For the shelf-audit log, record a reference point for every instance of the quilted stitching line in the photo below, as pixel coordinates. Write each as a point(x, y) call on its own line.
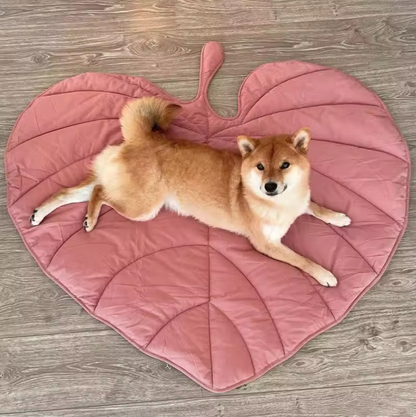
point(313, 106)
point(349, 189)
point(238, 331)
point(170, 320)
point(156, 90)
point(295, 109)
point(360, 147)
point(282, 83)
point(66, 240)
point(61, 128)
point(56, 172)
point(258, 295)
point(138, 85)
point(138, 259)
point(319, 294)
point(89, 91)
point(351, 246)
point(199, 131)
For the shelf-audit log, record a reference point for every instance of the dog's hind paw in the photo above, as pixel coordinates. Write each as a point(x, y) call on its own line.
point(88, 224)
point(35, 218)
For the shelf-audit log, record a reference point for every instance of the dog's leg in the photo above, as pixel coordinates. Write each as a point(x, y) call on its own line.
point(328, 216)
point(77, 194)
point(132, 210)
point(282, 253)
point(94, 207)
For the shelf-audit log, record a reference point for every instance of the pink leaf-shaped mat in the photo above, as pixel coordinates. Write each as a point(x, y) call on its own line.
point(203, 299)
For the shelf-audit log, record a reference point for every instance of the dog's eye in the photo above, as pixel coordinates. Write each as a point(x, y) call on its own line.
point(285, 165)
point(260, 167)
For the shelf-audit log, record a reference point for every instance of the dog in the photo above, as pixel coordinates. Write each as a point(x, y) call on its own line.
point(257, 193)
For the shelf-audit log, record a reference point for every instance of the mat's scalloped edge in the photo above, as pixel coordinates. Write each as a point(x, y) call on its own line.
point(304, 341)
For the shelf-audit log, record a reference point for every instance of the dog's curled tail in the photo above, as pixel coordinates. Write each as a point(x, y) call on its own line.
point(140, 118)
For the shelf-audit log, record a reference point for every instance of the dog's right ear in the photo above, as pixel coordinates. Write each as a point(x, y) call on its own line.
point(301, 140)
point(246, 144)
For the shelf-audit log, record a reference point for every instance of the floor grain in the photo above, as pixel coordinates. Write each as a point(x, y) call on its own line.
point(364, 400)
point(55, 360)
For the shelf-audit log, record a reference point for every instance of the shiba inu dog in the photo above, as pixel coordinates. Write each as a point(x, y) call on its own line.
point(257, 193)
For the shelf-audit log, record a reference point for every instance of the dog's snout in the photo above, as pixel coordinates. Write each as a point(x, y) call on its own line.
point(270, 187)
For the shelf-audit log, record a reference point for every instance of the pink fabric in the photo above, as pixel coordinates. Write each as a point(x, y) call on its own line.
point(203, 299)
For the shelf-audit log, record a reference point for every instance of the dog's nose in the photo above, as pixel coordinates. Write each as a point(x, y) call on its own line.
point(270, 187)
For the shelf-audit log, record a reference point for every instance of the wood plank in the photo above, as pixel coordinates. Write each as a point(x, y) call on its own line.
point(157, 15)
point(359, 401)
point(83, 369)
point(374, 348)
point(110, 51)
point(366, 348)
point(32, 304)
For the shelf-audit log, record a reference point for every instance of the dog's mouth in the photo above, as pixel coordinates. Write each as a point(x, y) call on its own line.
point(277, 192)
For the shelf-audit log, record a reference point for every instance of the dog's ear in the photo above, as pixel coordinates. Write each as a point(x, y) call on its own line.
point(246, 144)
point(301, 140)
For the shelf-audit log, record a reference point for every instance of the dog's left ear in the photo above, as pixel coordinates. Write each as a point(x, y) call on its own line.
point(246, 144)
point(301, 140)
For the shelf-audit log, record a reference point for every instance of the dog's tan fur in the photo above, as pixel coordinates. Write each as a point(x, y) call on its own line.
point(220, 188)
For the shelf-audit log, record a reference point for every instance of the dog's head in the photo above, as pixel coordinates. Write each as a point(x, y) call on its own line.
point(274, 164)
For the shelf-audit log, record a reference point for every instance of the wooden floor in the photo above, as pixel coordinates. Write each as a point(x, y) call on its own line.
point(55, 360)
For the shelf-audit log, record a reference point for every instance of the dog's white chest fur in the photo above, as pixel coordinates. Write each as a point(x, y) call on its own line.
point(278, 222)
point(273, 233)
point(278, 227)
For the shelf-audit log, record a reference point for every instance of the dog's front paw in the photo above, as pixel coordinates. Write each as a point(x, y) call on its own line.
point(340, 220)
point(325, 278)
